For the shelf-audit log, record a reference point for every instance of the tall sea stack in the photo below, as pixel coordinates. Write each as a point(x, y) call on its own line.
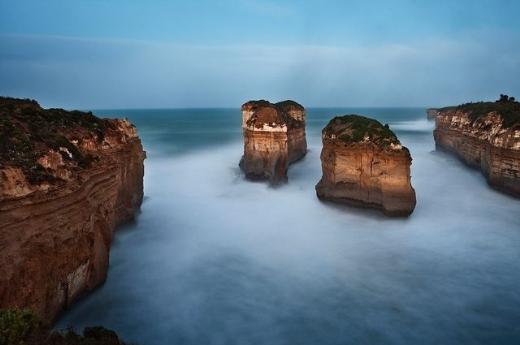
point(484, 135)
point(67, 179)
point(364, 164)
point(274, 137)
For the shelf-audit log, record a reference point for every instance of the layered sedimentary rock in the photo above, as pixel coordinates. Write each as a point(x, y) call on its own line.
point(431, 113)
point(67, 179)
point(274, 137)
point(485, 135)
point(364, 164)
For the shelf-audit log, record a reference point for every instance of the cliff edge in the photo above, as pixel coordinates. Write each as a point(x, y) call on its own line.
point(485, 135)
point(67, 179)
point(364, 164)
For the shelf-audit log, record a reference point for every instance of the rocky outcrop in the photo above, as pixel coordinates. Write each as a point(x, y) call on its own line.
point(365, 165)
point(67, 179)
point(485, 135)
point(431, 113)
point(274, 137)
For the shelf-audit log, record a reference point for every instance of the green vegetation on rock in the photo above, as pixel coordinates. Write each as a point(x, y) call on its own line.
point(28, 131)
point(21, 327)
point(507, 107)
point(354, 128)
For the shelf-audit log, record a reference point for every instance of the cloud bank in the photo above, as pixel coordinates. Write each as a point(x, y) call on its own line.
point(104, 73)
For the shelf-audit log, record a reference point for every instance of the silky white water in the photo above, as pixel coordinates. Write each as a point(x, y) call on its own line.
point(215, 259)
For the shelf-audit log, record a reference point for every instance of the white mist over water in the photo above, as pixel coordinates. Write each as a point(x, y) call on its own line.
point(215, 259)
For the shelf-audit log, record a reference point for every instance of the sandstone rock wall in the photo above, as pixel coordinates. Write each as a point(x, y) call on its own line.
point(55, 235)
point(371, 172)
point(484, 144)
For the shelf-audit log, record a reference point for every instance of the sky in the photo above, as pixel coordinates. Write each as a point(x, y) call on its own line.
point(93, 54)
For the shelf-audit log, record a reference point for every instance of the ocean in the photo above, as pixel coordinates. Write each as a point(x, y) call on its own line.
point(215, 259)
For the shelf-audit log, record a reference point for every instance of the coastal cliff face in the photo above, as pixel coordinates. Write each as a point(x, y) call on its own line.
point(274, 137)
point(485, 136)
point(67, 179)
point(365, 165)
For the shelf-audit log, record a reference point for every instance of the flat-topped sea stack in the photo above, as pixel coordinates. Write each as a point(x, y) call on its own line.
point(485, 135)
point(364, 164)
point(274, 137)
point(67, 179)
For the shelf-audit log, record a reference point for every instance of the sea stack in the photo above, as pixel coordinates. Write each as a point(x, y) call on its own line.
point(67, 179)
point(274, 137)
point(484, 135)
point(431, 113)
point(365, 165)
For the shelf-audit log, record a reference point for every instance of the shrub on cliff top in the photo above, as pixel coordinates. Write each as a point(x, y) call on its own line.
point(354, 128)
point(21, 327)
point(27, 132)
point(507, 107)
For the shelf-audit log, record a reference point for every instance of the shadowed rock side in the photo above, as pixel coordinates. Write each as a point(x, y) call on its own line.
point(484, 135)
point(67, 179)
point(274, 137)
point(365, 165)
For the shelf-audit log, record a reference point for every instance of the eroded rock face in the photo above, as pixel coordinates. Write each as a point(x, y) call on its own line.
point(485, 136)
point(274, 137)
point(67, 179)
point(365, 165)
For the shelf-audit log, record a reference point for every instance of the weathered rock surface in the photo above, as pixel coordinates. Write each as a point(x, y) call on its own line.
point(365, 165)
point(431, 113)
point(67, 179)
point(274, 137)
point(484, 135)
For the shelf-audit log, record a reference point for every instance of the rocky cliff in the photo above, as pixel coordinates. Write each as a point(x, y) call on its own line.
point(485, 135)
point(67, 179)
point(431, 113)
point(274, 137)
point(365, 165)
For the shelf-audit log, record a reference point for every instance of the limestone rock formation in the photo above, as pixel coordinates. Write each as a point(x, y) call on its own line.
point(67, 179)
point(274, 137)
point(365, 165)
point(431, 113)
point(485, 135)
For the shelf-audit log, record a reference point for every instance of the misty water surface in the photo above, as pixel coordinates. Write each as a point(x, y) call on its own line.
point(214, 259)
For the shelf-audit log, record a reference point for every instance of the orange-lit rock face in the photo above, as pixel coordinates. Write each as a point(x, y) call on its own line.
point(274, 137)
point(55, 235)
point(485, 144)
point(363, 173)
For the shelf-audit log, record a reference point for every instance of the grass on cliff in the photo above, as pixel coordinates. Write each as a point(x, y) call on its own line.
point(507, 107)
point(21, 327)
point(354, 128)
point(27, 131)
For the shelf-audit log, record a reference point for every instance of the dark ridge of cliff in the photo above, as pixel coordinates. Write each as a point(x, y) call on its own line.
point(355, 128)
point(20, 327)
point(269, 113)
point(27, 132)
point(507, 107)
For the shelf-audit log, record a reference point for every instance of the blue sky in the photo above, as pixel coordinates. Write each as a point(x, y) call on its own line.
point(117, 54)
